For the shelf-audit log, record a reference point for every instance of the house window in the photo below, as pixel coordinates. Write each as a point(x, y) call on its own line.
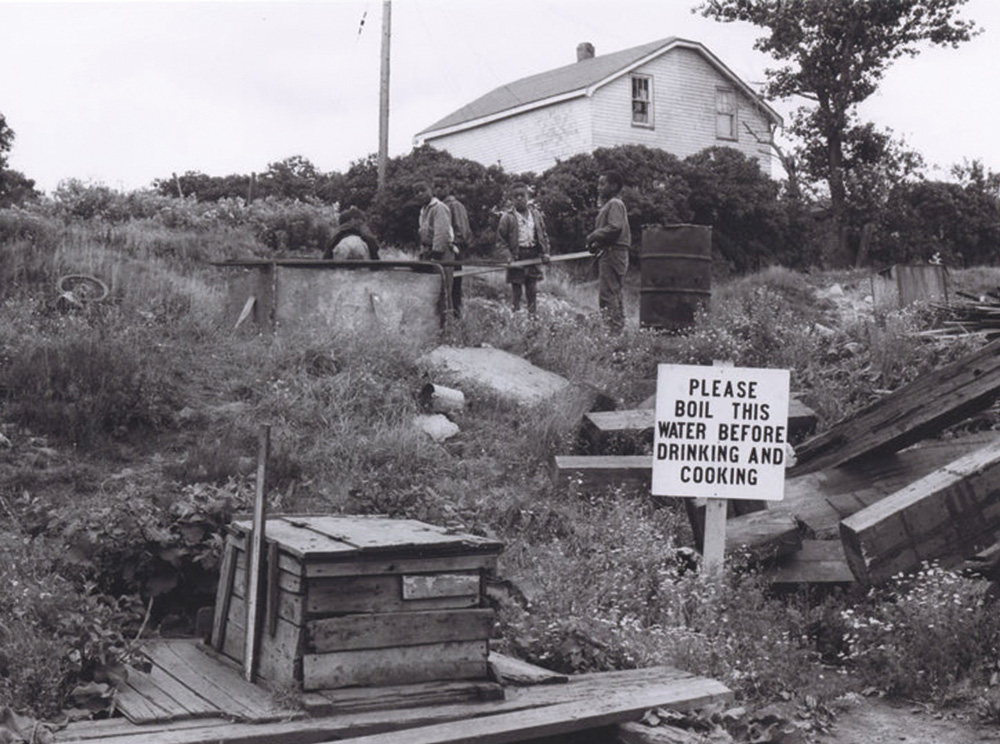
point(642, 101)
point(725, 113)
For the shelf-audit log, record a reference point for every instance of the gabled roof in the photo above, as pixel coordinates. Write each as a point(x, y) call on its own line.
point(571, 81)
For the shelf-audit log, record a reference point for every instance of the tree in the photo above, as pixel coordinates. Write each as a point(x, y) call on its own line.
point(6, 140)
point(836, 53)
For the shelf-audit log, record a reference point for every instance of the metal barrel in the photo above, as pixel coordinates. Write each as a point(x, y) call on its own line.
point(676, 271)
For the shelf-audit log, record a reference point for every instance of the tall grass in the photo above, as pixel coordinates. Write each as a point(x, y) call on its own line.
point(608, 573)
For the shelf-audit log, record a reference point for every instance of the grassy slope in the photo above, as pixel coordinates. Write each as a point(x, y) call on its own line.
point(148, 399)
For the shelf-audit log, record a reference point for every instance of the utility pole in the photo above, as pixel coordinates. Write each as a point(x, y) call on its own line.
point(383, 117)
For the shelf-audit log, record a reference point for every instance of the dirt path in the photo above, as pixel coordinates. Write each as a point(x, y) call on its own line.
point(874, 721)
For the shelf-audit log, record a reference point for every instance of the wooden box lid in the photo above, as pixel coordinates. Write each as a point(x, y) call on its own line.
point(354, 536)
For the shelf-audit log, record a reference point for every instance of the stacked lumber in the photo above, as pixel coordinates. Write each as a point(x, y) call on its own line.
point(974, 314)
point(918, 410)
point(872, 496)
point(946, 516)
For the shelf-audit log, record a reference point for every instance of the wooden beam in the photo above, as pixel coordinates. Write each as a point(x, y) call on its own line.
point(227, 573)
point(678, 690)
point(818, 562)
point(511, 671)
point(603, 427)
point(948, 515)
point(763, 535)
point(599, 471)
point(914, 412)
point(552, 720)
point(255, 564)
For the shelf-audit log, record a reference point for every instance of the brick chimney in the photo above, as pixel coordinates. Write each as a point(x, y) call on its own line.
point(584, 50)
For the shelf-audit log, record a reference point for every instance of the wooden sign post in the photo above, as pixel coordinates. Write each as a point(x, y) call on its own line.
point(720, 434)
point(255, 557)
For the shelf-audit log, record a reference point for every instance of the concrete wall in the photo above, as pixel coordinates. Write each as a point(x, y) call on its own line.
point(288, 298)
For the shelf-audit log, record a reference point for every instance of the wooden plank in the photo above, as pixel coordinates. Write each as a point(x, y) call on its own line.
point(255, 558)
point(222, 686)
point(352, 564)
point(600, 471)
point(714, 548)
point(393, 697)
point(227, 573)
point(271, 592)
point(947, 515)
point(432, 586)
point(141, 700)
point(801, 420)
point(818, 501)
point(681, 691)
point(280, 655)
point(195, 705)
point(371, 565)
point(818, 562)
point(547, 721)
point(111, 729)
point(297, 540)
point(513, 671)
point(913, 412)
point(287, 605)
point(764, 536)
point(378, 534)
point(290, 572)
point(386, 630)
point(601, 427)
point(403, 665)
point(472, 269)
point(373, 594)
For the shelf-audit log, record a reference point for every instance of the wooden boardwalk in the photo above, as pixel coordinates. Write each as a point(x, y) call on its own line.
point(223, 708)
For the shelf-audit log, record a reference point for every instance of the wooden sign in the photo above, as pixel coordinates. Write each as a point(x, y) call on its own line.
point(721, 432)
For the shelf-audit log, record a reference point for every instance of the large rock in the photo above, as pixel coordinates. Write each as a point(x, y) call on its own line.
point(508, 375)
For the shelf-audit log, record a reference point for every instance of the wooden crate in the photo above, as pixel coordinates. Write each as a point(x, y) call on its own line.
point(354, 600)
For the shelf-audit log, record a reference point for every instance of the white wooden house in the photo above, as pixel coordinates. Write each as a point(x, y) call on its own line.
point(673, 94)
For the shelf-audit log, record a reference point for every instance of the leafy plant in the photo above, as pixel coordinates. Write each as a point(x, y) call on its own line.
point(922, 635)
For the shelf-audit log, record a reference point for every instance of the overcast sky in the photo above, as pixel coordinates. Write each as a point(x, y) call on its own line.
point(124, 93)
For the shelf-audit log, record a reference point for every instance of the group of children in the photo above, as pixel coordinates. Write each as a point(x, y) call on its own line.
point(521, 236)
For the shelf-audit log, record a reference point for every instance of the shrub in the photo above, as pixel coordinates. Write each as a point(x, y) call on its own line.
point(84, 388)
point(921, 635)
point(54, 633)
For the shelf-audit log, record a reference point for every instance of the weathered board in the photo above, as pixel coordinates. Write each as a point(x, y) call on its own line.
point(914, 412)
point(601, 471)
point(393, 697)
point(673, 689)
point(279, 656)
point(431, 586)
point(399, 665)
point(374, 594)
point(389, 629)
point(513, 671)
point(948, 515)
point(602, 427)
point(219, 685)
point(763, 535)
point(317, 538)
point(548, 721)
point(817, 562)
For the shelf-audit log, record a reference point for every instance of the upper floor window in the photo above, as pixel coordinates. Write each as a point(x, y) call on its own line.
point(642, 100)
point(725, 113)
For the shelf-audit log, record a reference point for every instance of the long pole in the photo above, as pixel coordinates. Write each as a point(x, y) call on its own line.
point(383, 118)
